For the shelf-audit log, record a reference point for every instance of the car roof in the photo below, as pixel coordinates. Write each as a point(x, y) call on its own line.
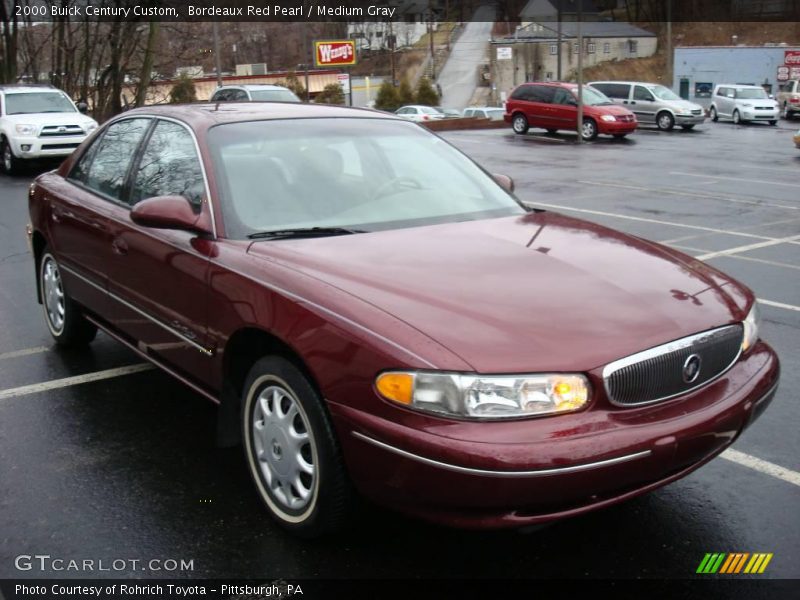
point(252, 86)
point(740, 86)
point(28, 89)
point(207, 114)
point(645, 83)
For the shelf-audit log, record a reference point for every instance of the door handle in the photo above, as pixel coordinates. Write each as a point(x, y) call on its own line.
point(633, 101)
point(119, 246)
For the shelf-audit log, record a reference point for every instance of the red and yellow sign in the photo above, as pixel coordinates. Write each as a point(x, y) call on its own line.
point(334, 53)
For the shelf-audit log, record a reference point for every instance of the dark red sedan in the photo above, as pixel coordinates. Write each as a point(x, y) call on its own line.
point(375, 313)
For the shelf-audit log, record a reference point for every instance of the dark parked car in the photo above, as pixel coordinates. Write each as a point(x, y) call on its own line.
point(367, 307)
point(554, 106)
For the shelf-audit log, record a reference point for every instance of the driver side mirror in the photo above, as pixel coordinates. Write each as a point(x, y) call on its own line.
point(170, 212)
point(504, 181)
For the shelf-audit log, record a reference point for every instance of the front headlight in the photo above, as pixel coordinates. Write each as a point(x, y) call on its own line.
point(751, 324)
point(26, 129)
point(485, 396)
point(90, 127)
point(608, 118)
point(683, 111)
point(747, 105)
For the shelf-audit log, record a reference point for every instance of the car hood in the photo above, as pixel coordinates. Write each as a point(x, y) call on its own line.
point(539, 292)
point(40, 119)
point(685, 105)
point(609, 109)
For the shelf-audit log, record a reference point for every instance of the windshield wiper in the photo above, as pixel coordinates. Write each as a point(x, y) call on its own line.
point(302, 232)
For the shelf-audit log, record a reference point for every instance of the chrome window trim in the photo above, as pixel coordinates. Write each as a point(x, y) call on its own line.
point(504, 474)
point(656, 351)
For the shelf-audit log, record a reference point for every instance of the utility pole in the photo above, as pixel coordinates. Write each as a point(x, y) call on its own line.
point(558, 40)
point(580, 72)
point(304, 53)
point(392, 46)
point(217, 59)
point(430, 35)
point(670, 74)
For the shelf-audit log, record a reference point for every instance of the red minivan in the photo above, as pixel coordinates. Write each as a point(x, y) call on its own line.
point(554, 105)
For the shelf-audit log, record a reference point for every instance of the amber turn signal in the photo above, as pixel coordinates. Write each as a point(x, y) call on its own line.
point(398, 387)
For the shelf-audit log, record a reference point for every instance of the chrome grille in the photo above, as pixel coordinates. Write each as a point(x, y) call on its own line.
point(658, 373)
point(60, 130)
point(697, 111)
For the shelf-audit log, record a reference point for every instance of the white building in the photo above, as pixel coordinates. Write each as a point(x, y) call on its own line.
point(376, 35)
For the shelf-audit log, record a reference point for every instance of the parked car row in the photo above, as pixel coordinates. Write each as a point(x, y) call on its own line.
point(618, 107)
point(416, 112)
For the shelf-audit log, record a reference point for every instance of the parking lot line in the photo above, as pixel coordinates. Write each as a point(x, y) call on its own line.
point(25, 352)
point(748, 247)
point(646, 220)
point(75, 380)
point(762, 466)
point(779, 304)
point(689, 194)
point(758, 226)
point(748, 258)
point(743, 179)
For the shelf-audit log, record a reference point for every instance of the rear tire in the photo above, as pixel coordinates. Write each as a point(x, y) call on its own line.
point(713, 114)
point(62, 315)
point(773, 122)
point(291, 450)
point(665, 121)
point(787, 114)
point(519, 123)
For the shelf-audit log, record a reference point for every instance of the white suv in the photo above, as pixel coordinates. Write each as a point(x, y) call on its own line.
point(38, 121)
point(742, 103)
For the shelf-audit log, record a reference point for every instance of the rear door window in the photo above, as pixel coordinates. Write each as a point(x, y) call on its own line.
point(542, 93)
point(619, 91)
point(104, 167)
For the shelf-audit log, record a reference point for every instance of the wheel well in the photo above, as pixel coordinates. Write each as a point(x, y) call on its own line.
point(243, 349)
point(38, 242)
point(248, 345)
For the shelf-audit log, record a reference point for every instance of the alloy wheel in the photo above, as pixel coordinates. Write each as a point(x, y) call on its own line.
point(53, 295)
point(284, 449)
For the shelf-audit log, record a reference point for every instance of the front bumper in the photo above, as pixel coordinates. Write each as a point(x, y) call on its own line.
point(690, 119)
point(37, 147)
point(492, 475)
point(760, 115)
point(616, 127)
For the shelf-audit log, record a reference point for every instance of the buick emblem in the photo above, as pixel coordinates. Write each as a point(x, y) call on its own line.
point(691, 368)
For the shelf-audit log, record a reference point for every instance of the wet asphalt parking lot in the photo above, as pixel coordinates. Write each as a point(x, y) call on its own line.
point(119, 463)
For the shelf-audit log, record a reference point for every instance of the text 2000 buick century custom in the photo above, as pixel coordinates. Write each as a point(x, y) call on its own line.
point(375, 313)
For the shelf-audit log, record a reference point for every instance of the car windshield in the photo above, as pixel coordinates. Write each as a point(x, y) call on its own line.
point(273, 96)
point(37, 102)
point(358, 174)
point(664, 93)
point(752, 94)
point(429, 110)
point(592, 97)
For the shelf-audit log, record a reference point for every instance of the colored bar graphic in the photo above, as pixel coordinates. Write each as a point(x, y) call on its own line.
point(732, 563)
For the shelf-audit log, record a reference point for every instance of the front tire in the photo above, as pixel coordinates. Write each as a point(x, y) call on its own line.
point(589, 130)
point(737, 118)
point(665, 121)
point(519, 123)
point(291, 450)
point(11, 164)
point(63, 316)
point(713, 114)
